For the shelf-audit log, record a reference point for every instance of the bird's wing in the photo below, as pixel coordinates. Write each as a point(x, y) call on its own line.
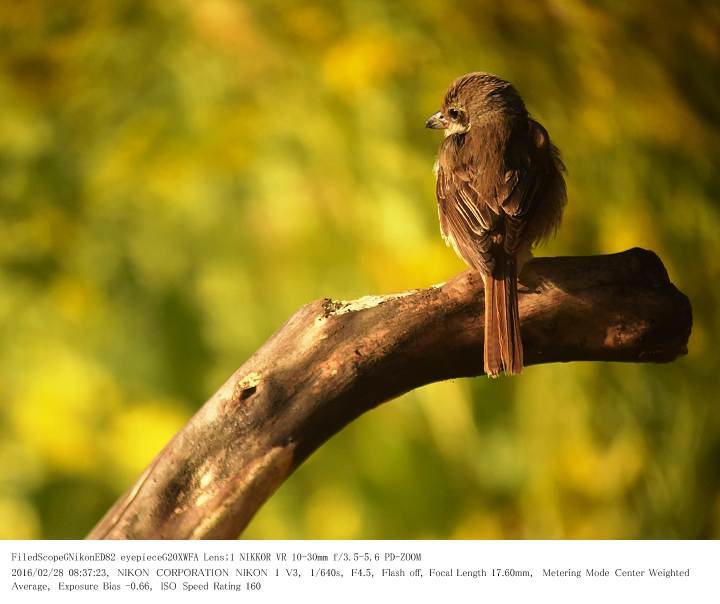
point(522, 182)
point(526, 170)
point(467, 222)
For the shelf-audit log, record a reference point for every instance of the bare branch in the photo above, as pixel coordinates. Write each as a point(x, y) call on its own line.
point(332, 361)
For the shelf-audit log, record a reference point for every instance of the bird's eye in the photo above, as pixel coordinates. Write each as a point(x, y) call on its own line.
point(454, 114)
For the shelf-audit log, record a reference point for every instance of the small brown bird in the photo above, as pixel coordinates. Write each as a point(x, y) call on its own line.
point(500, 191)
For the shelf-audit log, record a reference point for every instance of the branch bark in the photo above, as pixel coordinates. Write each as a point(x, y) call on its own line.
point(332, 361)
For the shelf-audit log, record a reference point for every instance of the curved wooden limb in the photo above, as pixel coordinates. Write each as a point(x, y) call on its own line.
point(332, 361)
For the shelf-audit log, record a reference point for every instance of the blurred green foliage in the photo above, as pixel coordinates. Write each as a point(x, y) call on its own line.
point(177, 177)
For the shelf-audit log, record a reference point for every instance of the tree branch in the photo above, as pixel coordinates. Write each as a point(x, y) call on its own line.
point(332, 361)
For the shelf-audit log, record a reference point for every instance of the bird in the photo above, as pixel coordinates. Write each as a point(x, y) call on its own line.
point(500, 190)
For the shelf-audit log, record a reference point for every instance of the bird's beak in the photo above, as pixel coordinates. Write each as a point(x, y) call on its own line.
point(436, 121)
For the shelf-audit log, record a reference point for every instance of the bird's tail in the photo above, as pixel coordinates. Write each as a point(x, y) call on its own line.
point(503, 346)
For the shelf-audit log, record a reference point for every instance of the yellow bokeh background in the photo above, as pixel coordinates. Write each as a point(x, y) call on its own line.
point(176, 178)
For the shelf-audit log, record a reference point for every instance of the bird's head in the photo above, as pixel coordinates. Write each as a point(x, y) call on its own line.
point(472, 98)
